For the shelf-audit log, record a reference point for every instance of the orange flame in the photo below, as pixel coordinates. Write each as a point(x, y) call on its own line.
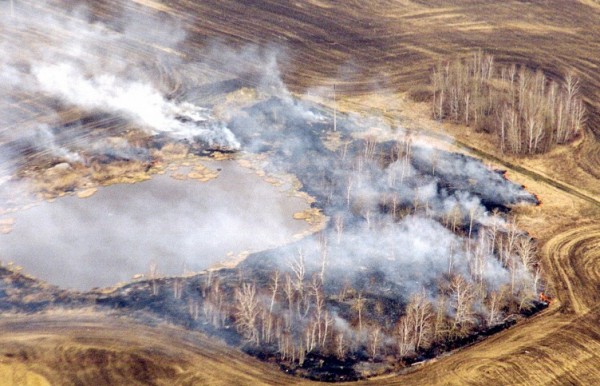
point(544, 298)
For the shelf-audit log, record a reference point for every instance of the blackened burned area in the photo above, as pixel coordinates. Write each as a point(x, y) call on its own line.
point(293, 133)
point(410, 231)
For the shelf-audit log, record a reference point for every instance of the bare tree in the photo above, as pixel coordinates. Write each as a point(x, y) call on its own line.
point(512, 236)
point(395, 205)
point(437, 105)
point(494, 300)
point(405, 339)
point(474, 213)
point(328, 323)
point(420, 313)
point(193, 308)
point(578, 118)
point(213, 305)
point(177, 288)
point(334, 110)
point(370, 147)
point(526, 250)
point(440, 320)
point(247, 311)
point(375, 336)
point(289, 291)
point(493, 229)
point(299, 269)
point(301, 354)
point(339, 227)
point(340, 345)
point(359, 306)
point(153, 275)
point(349, 186)
point(319, 313)
point(454, 218)
point(324, 255)
point(478, 262)
point(467, 99)
point(206, 284)
point(461, 300)
point(571, 86)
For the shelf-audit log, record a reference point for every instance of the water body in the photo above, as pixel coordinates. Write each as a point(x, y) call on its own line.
point(123, 229)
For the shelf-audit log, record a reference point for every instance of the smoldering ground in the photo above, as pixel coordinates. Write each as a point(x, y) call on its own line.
point(411, 228)
point(386, 201)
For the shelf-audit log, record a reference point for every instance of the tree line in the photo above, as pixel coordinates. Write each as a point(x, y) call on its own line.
point(526, 112)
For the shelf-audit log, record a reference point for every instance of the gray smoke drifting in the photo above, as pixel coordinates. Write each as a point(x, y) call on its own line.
point(404, 217)
point(88, 65)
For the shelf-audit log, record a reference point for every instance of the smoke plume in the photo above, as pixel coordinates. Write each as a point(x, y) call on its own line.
point(85, 64)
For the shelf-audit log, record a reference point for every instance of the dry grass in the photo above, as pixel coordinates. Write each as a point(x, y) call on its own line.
point(88, 348)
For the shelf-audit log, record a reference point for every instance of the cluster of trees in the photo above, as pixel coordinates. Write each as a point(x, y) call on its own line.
point(295, 312)
point(289, 314)
point(526, 111)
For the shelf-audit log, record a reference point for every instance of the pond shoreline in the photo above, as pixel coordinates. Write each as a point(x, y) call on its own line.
point(276, 198)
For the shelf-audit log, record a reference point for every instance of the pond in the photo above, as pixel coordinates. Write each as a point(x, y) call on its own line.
point(178, 226)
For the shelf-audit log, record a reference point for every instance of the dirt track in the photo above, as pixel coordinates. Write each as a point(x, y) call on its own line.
point(389, 47)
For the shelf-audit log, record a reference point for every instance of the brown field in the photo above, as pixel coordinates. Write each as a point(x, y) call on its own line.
point(91, 349)
point(377, 53)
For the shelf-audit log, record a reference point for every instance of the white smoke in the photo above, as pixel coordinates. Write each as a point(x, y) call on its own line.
point(45, 140)
point(89, 65)
point(137, 101)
